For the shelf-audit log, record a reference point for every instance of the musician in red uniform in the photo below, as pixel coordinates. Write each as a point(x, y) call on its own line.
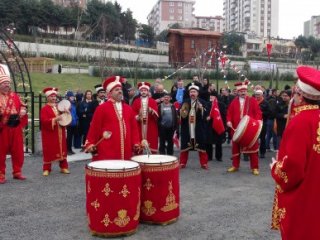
point(13, 118)
point(239, 107)
point(296, 169)
point(113, 132)
point(54, 144)
point(146, 110)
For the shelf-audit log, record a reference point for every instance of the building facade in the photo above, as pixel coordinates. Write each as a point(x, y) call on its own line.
point(258, 16)
point(312, 27)
point(168, 12)
point(187, 45)
point(209, 23)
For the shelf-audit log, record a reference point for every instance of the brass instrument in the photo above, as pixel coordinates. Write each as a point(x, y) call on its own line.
point(184, 110)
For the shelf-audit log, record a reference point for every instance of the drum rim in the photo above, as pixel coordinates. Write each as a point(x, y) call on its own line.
point(107, 170)
point(156, 163)
point(257, 135)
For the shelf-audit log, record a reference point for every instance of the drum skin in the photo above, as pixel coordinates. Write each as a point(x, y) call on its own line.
point(247, 132)
point(160, 190)
point(113, 201)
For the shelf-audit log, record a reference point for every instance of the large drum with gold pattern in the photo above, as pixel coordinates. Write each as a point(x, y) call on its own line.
point(113, 197)
point(247, 132)
point(160, 190)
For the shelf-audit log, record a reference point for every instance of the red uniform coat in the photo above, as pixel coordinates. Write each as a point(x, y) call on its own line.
point(296, 208)
point(124, 132)
point(151, 121)
point(54, 144)
point(11, 138)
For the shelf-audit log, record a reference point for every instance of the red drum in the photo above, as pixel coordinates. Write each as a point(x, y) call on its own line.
point(113, 197)
point(160, 193)
point(247, 132)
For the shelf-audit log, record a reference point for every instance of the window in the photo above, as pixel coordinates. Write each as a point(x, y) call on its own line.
point(171, 10)
point(171, 17)
point(209, 44)
point(171, 4)
point(180, 18)
point(180, 4)
point(192, 44)
point(179, 10)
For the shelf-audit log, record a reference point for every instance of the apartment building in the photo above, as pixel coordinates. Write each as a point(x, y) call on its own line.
point(167, 12)
point(312, 27)
point(209, 23)
point(258, 16)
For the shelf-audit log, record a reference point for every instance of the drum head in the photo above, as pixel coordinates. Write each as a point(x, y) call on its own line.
point(155, 159)
point(64, 104)
point(66, 119)
point(113, 165)
point(241, 127)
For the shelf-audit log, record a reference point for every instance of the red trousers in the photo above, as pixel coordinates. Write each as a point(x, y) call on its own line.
point(11, 142)
point(252, 154)
point(63, 165)
point(203, 157)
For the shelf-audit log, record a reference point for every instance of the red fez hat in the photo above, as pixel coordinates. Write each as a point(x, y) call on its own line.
point(111, 82)
point(50, 91)
point(241, 85)
point(144, 85)
point(309, 82)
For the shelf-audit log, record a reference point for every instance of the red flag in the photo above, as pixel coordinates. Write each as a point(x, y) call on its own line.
point(176, 140)
point(217, 122)
point(269, 48)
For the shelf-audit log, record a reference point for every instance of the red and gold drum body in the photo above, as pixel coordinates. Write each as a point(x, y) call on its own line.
point(113, 197)
point(247, 132)
point(160, 190)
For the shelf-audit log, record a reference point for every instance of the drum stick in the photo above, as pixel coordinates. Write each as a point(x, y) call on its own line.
point(146, 146)
point(105, 135)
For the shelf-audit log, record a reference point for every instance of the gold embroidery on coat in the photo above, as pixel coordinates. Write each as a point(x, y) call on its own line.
point(106, 220)
point(148, 209)
point(122, 220)
point(170, 200)
point(95, 204)
point(279, 172)
point(125, 192)
point(107, 190)
point(316, 147)
point(277, 213)
point(148, 185)
point(137, 215)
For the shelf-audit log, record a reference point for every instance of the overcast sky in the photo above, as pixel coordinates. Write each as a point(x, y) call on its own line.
point(292, 13)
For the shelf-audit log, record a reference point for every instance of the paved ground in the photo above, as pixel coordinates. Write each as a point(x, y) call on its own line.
point(214, 204)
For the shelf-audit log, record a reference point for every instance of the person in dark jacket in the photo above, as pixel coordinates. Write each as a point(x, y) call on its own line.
point(73, 127)
point(265, 109)
point(214, 137)
point(167, 123)
point(85, 112)
point(282, 113)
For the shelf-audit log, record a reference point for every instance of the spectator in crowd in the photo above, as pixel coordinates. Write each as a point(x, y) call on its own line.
point(85, 114)
point(265, 110)
point(167, 125)
point(177, 96)
point(270, 134)
point(72, 128)
point(217, 122)
point(160, 92)
point(100, 96)
point(282, 114)
point(125, 88)
point(153, 88)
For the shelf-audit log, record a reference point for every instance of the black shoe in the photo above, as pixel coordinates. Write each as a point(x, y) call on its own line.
point(71, 152)
point(219, 159)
